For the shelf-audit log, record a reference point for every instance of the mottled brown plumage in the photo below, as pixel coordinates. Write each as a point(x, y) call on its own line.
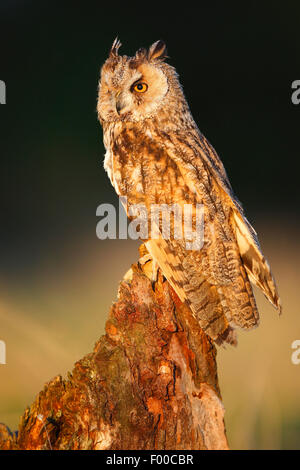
point(155, 154)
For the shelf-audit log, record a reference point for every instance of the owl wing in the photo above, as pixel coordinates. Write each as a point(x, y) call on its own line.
point(256, 266)
point(212, 281)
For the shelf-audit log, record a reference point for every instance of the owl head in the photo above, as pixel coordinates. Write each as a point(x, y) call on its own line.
point(136, 88)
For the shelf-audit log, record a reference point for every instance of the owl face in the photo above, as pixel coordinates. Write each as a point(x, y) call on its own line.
point(133, 88)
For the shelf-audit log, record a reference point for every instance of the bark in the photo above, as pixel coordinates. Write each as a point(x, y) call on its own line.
point(150, 382)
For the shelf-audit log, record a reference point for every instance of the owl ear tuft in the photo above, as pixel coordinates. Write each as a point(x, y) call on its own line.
point(114, 51)
point(141, 53)
point(158, 51)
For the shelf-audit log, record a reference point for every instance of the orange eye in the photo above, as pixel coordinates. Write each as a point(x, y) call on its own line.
point(140, 87)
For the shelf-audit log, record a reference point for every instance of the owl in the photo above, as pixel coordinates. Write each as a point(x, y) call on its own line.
point(155, 154)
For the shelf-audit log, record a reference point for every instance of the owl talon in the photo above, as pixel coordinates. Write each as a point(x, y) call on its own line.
point(150, 267)
point(154, 271)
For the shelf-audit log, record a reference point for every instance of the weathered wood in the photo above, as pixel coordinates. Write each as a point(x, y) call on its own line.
point(150, 383)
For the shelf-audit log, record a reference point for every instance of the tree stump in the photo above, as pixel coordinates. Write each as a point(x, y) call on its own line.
point(150, 383)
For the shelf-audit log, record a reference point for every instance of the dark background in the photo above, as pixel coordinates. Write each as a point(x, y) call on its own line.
point(237, 61)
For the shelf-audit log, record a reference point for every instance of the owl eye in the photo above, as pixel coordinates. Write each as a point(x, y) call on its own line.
point(140, 87)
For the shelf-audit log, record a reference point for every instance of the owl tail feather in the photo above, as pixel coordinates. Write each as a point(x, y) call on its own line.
point(256, 265)
point(203, 298)
point(229, 336)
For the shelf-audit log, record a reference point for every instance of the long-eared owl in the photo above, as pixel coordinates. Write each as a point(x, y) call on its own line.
point(155, 154)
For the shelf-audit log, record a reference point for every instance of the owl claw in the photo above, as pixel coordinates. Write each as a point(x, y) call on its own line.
point(150, 267)
point(154, 271)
